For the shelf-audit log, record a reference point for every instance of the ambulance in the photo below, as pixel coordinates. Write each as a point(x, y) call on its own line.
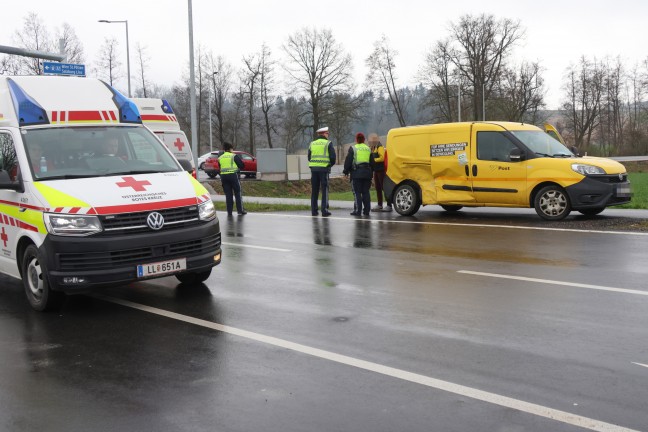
point(90, 197)
point(497, 164)
point(158, 116)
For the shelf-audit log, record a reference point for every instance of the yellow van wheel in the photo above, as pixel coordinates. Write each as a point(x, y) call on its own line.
point(552, 203)
point(39, 293)
point(406, 200)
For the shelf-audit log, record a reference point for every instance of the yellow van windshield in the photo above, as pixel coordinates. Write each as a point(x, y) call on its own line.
point(542, 144)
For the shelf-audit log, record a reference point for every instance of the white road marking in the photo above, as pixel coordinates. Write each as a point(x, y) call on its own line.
point(257, 247)
point(493, 398)
point(520, 227)
point(640, 364)
point(554, 282)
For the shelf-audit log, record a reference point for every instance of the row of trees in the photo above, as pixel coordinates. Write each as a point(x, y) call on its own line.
point(265, 100)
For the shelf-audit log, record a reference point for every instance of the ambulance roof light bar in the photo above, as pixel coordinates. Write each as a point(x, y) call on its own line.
point(29, 112)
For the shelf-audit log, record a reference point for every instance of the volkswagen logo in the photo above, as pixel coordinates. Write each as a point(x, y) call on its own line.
point(155, 220)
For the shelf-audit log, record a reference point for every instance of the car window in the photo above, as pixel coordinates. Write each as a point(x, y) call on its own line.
point(494, 146)
point(8, 157)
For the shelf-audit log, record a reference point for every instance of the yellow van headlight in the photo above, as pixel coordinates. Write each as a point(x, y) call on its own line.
point(585, 169)
point(206, 211)
point(73, 225)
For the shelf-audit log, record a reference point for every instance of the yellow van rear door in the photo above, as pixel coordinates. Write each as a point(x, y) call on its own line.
point(496, 180)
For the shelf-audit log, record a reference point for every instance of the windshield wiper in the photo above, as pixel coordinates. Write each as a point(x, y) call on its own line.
point(66, 177)
point(562, 155)
point(139, 172)
point(544, 154)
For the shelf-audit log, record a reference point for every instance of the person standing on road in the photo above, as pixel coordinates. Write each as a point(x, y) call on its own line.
point(321, 157)
point(230, 166)
point(358, 163)
point(378, 152)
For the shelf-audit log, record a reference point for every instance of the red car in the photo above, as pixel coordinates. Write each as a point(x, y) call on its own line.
point(212, 167)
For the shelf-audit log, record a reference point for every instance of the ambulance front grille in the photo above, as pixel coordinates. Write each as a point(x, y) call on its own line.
point(133, 257)
point(131, 223)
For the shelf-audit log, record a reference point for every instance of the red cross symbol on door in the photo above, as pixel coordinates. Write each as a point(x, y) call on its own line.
point(179, 144)
point(4, 237)
point(137, 185)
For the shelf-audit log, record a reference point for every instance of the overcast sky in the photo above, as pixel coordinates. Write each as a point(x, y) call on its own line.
point(557, 32)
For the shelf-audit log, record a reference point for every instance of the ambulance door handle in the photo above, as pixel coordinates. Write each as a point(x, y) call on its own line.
point(474, 170)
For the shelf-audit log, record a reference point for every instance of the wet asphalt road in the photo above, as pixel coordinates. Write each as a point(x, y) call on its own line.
point(348, 325)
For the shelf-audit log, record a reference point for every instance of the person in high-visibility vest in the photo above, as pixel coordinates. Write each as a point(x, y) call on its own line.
point(378, 171)
point(321, 156)
point(358, 164)
point(230, 166)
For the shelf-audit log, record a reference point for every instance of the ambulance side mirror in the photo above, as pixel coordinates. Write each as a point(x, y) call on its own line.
point(7, 183)
point(515, 155)
point(185, 164)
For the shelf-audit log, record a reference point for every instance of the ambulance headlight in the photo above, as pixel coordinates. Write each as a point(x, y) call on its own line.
point(75, 225)
point(206, 211)
point(587, 169)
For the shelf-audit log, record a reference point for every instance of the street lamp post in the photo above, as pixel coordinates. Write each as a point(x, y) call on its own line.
point(127, 52)
point(484, 101)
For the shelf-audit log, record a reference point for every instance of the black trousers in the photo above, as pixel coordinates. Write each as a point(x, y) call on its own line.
point(319, 180)
point(362, 198)
point(232, 188)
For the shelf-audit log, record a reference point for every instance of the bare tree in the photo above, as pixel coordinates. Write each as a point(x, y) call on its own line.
point(250, 76)
point(33, 36)
point(72, 46)
point(614, 115)
point(266, 84)
point(484, 44)
point(446, 89)
point(345, 109)
point(143, 60)
point(319, 67)
point(292, 127)
point(108, 67)
point(221, 81)
point(583, 92)
point(519, 94)
point(382, 74)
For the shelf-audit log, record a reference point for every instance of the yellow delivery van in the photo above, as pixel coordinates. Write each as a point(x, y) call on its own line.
point(497, 164)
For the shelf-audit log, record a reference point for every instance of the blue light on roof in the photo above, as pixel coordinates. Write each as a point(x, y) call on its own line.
point(166, 107)
point(29, 112)
point(128, 112)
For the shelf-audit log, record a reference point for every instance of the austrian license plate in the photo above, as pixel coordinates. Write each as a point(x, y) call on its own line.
point(623, 191)
point(162, 267)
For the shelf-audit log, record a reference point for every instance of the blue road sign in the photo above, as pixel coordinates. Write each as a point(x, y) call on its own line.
point(53, 68)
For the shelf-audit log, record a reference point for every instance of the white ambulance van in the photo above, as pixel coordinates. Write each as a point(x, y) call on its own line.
point(158, 116)
point(90, 197)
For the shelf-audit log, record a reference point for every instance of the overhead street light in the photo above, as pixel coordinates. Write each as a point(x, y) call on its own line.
point(127, 51)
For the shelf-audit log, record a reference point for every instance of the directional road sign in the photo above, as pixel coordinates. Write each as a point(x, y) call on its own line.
point(53, 68)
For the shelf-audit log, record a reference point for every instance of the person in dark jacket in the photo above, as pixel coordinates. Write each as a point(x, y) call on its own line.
point(230, 167)
point(379, 171)
point(321, 157)
point(358, 164)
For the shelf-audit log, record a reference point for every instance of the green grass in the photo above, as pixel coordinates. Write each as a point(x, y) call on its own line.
point(639, 183)
point(262, 208)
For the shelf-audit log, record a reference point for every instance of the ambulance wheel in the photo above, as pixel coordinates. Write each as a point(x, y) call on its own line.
point(406, 200)
point(552, 203)
point(591, 212)
point(193, 278)
point(451, 208)
point(39, 293)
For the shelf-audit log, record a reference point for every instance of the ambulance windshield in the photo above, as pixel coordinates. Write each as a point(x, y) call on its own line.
point(76, 152)
point(542, 144)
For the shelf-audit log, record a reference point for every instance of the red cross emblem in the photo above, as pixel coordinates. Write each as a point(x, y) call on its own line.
point(137, 185)
point(179, 144)
point(4, 237)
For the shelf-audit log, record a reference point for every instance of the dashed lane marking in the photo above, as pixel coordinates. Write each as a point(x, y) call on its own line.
point(555, 282)
point(492, 398)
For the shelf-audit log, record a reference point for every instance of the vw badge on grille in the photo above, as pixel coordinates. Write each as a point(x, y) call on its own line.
point(155, 220)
